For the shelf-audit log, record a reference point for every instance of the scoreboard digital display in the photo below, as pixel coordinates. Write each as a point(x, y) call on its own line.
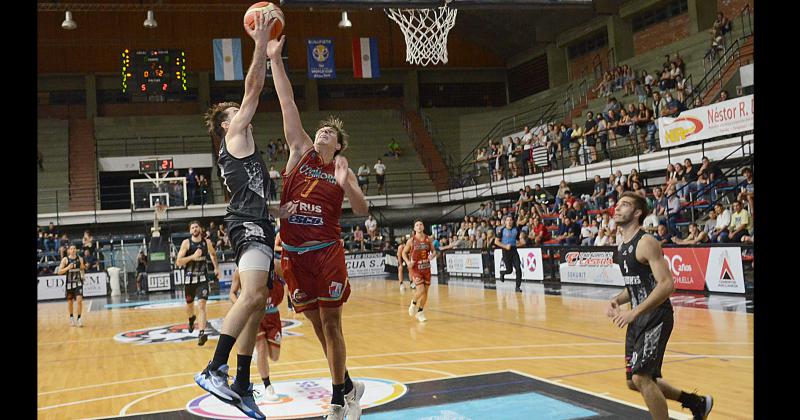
point(156, 165)
point(153, 72)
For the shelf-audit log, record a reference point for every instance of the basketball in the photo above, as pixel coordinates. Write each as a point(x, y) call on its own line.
point(272, 11)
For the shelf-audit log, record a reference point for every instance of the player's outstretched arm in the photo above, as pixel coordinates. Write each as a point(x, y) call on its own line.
point(253, 84)
point(299, 142)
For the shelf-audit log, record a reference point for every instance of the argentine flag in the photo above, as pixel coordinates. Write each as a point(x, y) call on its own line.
point(228, 59)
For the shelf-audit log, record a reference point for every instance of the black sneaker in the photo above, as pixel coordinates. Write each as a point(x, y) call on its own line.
point(191, 323)
point(202, 339)
point(701, 409)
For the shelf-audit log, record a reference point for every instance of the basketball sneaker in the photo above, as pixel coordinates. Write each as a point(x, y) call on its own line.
point(701, 408)
point(402, 287)
point(191, 324)
point(215, 382)
point(202, 338)
point(80, 322)
point(247, 404)
point(72, 322)
point(413, 286)
point(421, 316)
point(352, 400)
point(270, 394)
point(412, 309)
point(335, 412)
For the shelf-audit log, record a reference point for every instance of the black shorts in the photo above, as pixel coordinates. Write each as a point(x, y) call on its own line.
point(200, 290)
point(363, 182)
point(380, 178)
point(241, 234)
point(591, 141)
point(74, 292)
point(645, 345)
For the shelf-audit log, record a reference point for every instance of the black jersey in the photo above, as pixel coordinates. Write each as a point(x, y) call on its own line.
point(639, 280)
point(244, 179)
point(196, 270)
point(74, 277)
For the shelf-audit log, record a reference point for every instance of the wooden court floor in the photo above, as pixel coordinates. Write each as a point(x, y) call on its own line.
point(86, 373)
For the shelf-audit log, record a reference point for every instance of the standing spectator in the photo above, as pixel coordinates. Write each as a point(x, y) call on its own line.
point(272, 150)
point(363, 178)
point(690, 172)
point(599, 194)
point(274, 178)
point(747, 193)
point(222, 238)
point(720, 234)
point(202, 185)
point(603, 132)
point(89, 243)
point(394, 149)
point(576, 141)
point(372, 227)
point(647, 117)
point(141, 272)
point(564, 144)
point(740, 222)
point(481, 161)
point(191, 185)
point(380, 175)
point(695, 236)
point(90, 260)
point(590, 127)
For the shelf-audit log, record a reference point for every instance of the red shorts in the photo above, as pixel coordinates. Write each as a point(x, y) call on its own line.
point(316, 278)
point(420, 276)
point(270, 328)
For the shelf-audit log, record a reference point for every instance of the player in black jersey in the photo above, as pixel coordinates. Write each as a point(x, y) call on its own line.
point(648, 285)
point(73, 266)
point(192, 255)
point(250, 230)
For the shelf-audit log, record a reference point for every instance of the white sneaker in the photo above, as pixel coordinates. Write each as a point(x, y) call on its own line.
point(269, 393)
point(402, 287)
point(80, 322)
point(421, 316)
point(413, 286)
point(352, 401)
point(72, 322)
point(335, 412)
point(412, 309)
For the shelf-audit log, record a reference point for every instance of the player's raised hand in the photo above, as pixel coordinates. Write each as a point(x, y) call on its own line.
point(342, 170)
point(274, 48)
point(260, 33)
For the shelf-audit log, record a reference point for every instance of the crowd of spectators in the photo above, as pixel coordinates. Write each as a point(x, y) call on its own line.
point(569, 218)
point(52, 246)
point(363, 174)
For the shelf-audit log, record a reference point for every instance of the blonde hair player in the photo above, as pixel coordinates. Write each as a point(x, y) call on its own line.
point(417, 254)
point(315, 181)
point(73, 266)
point(250, 230)
point(648, 285)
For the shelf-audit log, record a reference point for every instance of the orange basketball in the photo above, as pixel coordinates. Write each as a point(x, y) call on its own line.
point(274, 14)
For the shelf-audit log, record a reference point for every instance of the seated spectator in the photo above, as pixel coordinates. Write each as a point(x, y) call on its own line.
point(598, 198)
point(710, 223)
point(541, 200)
point(651, 223)
point(222, 238)
point(394, 149)
point(747, 192)
point(740, 223)
point(663, 235)
point(540, 233)
point(358, 238)
point(723, 96)
point(695, 236)
point(602, 237)
point(588, 232)
point(90, 260)
point(673, 208)
point(674, 106)
point(560, 194)
point(372, 227)
point(660, 108)
point(569, 233)
point(720, 233)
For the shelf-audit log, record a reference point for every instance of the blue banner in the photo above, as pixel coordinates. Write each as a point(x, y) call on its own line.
point(320, 59)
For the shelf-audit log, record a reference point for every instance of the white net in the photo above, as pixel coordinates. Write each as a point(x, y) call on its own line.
point(425, 31)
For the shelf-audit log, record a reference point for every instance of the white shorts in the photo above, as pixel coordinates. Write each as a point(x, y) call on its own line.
point(256, 256)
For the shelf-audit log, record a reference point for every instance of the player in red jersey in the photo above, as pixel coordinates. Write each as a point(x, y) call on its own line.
point(315, 181)
point(418, 253)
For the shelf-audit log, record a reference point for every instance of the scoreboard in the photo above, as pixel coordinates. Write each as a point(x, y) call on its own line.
point(154, 74)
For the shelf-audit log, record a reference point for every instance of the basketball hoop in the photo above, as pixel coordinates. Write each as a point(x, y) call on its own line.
point(425, 31)
point(160, 213)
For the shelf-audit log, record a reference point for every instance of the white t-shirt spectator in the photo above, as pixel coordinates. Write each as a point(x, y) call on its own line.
point(724, 219)
point(273, 174)
point(380, 168)
point(371, 225)
point(600, 240)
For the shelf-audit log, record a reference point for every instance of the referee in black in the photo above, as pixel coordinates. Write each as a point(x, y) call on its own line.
point(508, 241)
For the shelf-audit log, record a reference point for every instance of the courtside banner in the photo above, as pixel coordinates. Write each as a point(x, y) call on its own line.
point(95, 284)
point(593, 267)
point(530, 260)
point(51, 287)
point(724, 272)
point(464, 263)
point(688, 267)
point(729, 117)
point(365, 264)
point(226, 272)
point(159, 281)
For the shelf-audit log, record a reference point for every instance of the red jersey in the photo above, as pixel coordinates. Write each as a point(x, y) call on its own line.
point(275, 295)
point(420, 251)
point(311, 202)
point(541, 229)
